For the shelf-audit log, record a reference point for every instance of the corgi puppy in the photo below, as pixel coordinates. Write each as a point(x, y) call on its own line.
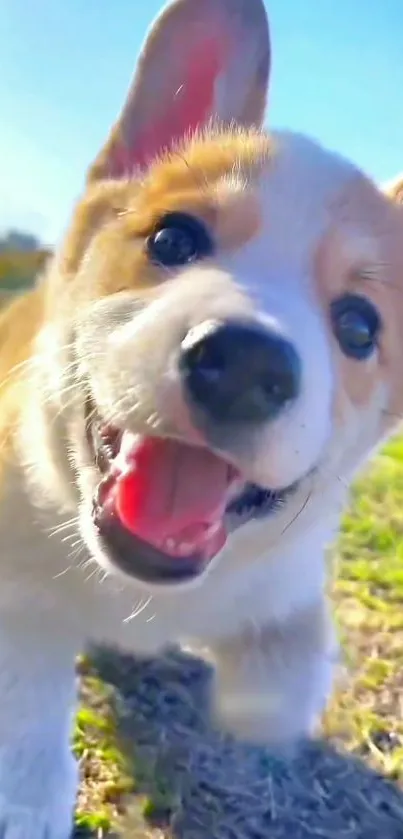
point(186, 394)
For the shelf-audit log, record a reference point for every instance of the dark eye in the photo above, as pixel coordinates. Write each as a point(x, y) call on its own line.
point(356, 325)
point(178, 240)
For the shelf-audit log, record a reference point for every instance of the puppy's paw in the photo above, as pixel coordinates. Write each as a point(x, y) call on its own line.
point(22, 823)
point(38, 774)
point(260, 719)
point(40, 804)
point(272, 683)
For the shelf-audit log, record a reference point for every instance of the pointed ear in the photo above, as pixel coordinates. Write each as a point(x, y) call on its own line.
point(394, 189)
point(201, 60)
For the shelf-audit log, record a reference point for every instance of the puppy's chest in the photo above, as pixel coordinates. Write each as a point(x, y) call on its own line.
point(269, 591)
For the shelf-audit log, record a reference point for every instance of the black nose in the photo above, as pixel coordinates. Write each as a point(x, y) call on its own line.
point(239, 371)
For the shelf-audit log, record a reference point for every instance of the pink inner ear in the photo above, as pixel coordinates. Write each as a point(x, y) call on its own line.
point(191, 106)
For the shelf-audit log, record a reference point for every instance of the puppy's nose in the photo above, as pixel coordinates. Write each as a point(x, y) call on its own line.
point(239, 372)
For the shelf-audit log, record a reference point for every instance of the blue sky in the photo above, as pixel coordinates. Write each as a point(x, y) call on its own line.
point(65, 66)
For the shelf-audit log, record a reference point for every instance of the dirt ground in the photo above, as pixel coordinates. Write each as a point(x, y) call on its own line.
point(191, 783)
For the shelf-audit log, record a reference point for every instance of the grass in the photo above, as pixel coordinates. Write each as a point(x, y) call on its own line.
point(178, 779)
point(368, 594)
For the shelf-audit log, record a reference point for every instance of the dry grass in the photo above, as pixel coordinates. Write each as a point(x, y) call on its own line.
point(179, 779)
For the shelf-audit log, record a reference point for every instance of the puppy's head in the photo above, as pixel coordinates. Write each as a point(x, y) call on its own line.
point(224, 317)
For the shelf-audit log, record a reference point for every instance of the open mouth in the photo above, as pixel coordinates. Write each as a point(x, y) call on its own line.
point(163, 508)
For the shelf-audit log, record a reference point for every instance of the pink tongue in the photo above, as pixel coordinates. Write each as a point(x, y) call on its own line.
point(167, 492)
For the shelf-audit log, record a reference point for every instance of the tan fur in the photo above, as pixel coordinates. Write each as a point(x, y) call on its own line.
point(116, 217)
point(20, 322)
point(345, 264)
point(394, 189)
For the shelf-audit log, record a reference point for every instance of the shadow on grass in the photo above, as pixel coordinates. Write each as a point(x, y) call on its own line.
point(200, 785)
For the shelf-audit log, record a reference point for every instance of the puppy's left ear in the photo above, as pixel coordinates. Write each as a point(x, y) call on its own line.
point(202, 61)
point(394, 189)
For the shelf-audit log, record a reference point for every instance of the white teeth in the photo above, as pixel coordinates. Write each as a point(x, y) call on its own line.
point(179, 548)
point(213, 529)
point(185, 548)
point(182, 548)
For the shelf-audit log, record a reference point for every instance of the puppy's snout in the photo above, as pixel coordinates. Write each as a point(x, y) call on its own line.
point(239, 372)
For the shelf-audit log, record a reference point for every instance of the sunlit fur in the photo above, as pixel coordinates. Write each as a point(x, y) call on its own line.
point(394, 189)
point(295, 226)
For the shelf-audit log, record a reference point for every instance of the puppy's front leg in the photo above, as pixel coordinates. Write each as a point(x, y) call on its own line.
point(37, 771)
point(272, 683)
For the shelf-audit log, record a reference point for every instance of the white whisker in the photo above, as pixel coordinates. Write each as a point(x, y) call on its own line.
point(139, 609)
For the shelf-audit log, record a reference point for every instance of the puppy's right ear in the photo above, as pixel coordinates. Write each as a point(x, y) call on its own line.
point(202, 60)
point(394, 189)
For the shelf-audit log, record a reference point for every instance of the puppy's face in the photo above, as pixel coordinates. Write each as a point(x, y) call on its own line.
point(231, 308)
